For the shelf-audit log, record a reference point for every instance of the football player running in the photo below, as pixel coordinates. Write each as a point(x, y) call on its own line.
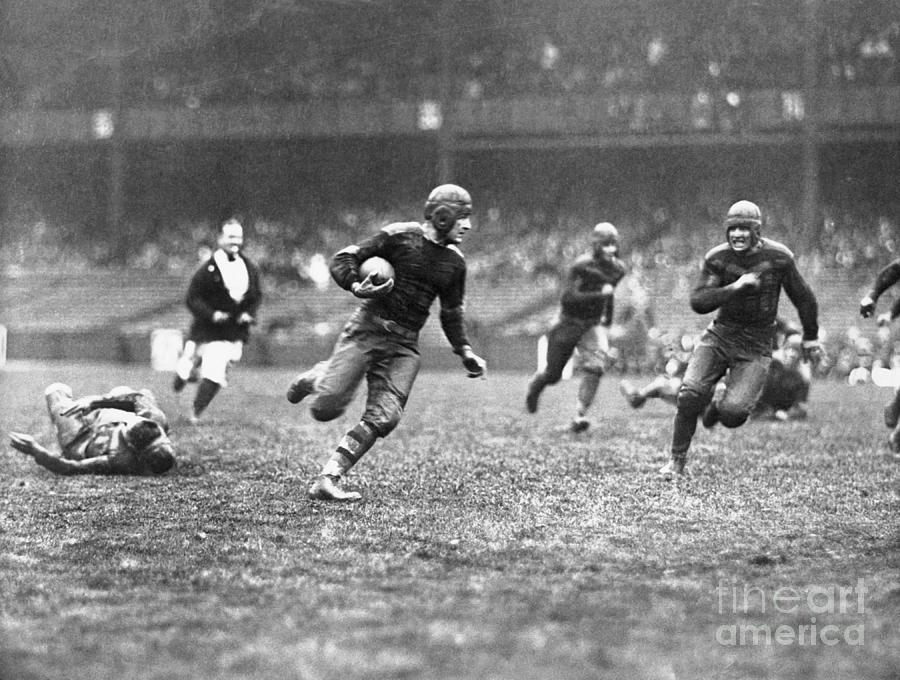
point(742, 279)
point(582, 324)
point(380, 340)
point(887, 276)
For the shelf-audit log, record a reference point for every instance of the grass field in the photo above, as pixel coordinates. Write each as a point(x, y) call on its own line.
point(489, 543)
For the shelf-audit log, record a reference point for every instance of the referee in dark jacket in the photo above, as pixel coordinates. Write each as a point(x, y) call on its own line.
point(223, 298)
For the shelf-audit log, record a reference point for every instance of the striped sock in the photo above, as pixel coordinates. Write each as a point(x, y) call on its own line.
point(350, 449)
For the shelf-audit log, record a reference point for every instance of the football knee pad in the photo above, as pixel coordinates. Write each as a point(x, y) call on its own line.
point(691, 402)
point(383, 415)
point(732, 415)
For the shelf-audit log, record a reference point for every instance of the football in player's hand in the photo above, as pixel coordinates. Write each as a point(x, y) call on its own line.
point(383, 269)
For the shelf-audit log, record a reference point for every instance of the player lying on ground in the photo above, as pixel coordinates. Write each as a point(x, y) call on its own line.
point(664, 386)
point(123, 432)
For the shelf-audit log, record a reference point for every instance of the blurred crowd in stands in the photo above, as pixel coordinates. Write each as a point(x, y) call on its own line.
point(509, 247)
point(381, 51)
point(508, 243)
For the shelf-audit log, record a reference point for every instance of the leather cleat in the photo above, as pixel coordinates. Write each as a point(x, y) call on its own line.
point(673, 470)
point(178, 384)
point(301, 388)
point(325, 488)
point(579, 425)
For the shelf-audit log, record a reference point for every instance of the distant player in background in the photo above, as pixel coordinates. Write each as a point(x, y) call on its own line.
point(582, 324)
point(742, 279)
point(380, 341)
point(886, 277)
point(223, 297)
point(122, 432)
point(666, 385)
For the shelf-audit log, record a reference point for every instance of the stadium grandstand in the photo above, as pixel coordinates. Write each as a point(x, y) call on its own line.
point(128, 130)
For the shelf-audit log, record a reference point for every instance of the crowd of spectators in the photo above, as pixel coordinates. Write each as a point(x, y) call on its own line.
point(513, 245)
point(510, 242)
point(496, 50)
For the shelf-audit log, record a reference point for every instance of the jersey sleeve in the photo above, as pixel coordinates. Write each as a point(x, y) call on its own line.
point(345, 263)
point(100, 465)
point(708, 294)
point(452, 314)
point(885, 278)
point(803, 298)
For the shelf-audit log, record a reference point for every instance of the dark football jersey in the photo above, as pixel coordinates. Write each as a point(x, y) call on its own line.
point(582, 297)
point(423, 271)
point(755, 311)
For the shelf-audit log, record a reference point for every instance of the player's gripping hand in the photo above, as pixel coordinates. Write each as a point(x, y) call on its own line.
point(749, 281)
point(246, 319)
point(367, 288)
point(475, 366)
point(79, 407)
point(884, 319)
point(866, 307)
point(812, 352)
point(219, 316)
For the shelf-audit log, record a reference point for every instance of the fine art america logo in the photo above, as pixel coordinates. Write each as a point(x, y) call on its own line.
point(814, 615)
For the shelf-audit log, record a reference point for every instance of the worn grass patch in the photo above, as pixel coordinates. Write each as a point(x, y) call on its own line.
point(489, 543)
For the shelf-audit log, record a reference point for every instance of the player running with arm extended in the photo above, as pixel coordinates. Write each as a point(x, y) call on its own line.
point(380, 341)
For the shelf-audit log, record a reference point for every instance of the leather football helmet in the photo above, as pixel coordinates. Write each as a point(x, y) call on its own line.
point(605, 240)
point(445, 205)
point(606, 234)
point(745, 214)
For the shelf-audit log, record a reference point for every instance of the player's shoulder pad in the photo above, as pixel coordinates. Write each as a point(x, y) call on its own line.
point(349, 250)
point(777, 247)
point(402, 228)
point(455, 249)
point(717, 251)
point(583, 260)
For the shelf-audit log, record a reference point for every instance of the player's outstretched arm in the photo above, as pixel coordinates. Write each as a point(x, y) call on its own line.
point(61, 466)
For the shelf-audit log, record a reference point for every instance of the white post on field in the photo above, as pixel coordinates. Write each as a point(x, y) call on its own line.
point(165, 347)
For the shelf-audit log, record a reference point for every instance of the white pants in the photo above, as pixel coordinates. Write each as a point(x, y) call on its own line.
point(208, 360)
